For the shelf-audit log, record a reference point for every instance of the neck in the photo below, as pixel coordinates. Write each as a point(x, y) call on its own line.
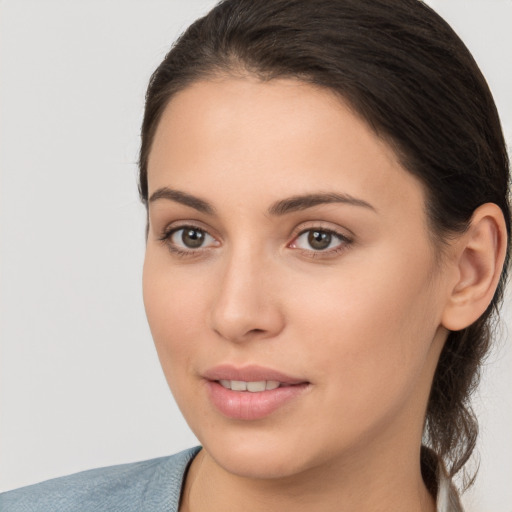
point(362, 482)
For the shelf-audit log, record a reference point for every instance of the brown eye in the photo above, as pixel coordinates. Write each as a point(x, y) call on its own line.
point(190, 237)
point(319, 240)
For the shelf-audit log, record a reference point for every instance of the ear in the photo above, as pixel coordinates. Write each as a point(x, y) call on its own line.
point(479, 258)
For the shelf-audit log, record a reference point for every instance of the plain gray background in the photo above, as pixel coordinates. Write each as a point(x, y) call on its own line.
point(80, 383)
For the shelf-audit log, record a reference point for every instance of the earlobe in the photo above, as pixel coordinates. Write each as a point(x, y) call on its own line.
point(480, 257)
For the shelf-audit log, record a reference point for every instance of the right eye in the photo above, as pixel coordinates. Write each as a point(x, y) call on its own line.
point(189, 238)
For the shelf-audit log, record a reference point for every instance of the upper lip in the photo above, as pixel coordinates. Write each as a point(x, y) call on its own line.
point(249, 373)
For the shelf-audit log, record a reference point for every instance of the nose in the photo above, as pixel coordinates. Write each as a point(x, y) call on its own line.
point(246, 306)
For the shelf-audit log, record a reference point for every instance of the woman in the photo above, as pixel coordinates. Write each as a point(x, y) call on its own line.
point(326, 185)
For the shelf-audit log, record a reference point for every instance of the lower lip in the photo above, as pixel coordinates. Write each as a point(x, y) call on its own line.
point(245, 405)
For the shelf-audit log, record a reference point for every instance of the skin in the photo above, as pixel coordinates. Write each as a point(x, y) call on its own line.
point(362, 323)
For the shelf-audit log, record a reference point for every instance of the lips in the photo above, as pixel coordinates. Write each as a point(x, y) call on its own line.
point(251, 392)
point(251, 373)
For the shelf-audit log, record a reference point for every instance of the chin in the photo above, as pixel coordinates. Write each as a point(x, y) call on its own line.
point(261, 454)
point(257, 462)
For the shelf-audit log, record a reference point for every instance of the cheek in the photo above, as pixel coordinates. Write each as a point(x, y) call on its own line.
point(173, 308)
point(371, 337)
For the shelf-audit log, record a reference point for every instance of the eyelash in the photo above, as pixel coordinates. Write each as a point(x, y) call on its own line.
point(344, 241)
point(169, 232)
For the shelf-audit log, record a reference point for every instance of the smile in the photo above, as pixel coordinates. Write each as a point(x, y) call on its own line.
point(252, 392)
point(253, 387)
point(252, 400)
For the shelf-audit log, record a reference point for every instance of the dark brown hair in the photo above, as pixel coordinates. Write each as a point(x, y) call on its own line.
point(405, 71)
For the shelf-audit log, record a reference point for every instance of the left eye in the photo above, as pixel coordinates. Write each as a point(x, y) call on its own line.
point(318, 240)
point(191, 238)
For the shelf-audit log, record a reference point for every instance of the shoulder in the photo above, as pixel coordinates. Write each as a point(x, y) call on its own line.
point(152, 485)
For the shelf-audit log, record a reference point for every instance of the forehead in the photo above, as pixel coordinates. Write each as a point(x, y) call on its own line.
point(241, 137)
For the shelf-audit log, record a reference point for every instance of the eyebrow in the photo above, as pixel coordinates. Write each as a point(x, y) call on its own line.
point(302, 202)
point(281, 207)
point(183, 198)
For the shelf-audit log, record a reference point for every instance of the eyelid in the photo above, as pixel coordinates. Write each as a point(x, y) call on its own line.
point(342, 232)
point(176, 225)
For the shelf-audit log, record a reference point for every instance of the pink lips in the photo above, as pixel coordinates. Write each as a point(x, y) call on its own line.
point(246, 405)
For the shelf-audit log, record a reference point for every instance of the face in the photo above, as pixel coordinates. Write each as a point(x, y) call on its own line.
point(288, 249)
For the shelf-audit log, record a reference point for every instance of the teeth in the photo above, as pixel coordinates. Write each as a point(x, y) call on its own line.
point(253, 387)
point(238, 385)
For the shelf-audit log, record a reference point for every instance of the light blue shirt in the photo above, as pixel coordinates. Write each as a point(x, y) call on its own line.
point(149, 486)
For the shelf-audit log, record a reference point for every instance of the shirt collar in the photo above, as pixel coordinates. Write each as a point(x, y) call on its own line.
point(438, 482)
point(447, 497)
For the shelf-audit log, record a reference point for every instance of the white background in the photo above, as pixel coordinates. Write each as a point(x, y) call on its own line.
point(80, 383)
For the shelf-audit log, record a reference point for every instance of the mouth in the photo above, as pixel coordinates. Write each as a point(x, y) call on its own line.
point(251, 392)
point(256, 386)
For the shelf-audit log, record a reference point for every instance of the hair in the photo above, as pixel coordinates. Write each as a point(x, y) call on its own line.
point(403, 69)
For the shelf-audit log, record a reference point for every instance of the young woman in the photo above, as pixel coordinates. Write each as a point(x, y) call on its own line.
point(327, 192)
